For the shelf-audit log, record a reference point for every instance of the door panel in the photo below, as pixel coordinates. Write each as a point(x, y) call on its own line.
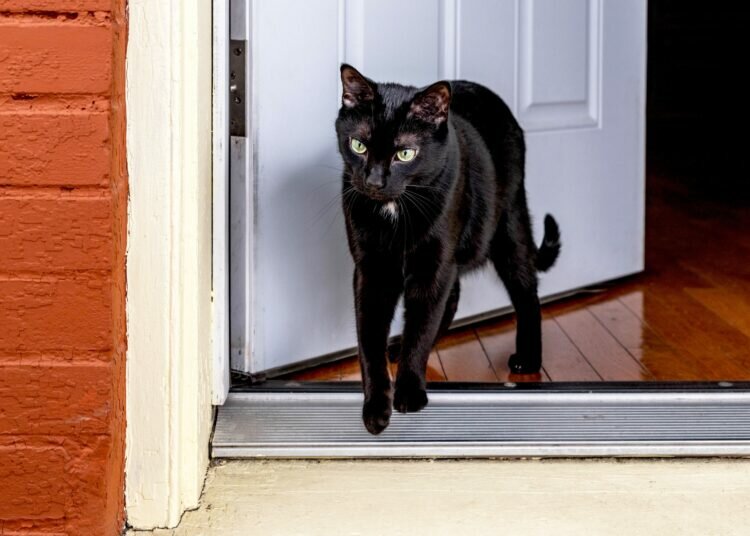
point(399, 40)
point(558, 63)
point(572, 71)
point(486, 45)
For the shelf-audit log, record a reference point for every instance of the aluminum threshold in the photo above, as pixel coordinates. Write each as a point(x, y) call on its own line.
point(538, 420)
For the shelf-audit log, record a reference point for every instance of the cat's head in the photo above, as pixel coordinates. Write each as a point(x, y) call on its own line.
point(391, 136)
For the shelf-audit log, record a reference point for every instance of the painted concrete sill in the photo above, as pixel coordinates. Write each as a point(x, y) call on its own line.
point(561, 497)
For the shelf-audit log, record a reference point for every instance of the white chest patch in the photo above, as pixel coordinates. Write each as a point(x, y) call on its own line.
point(389, 210)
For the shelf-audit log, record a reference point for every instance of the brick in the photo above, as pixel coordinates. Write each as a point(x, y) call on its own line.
point(59, 399)
point(55, 57)
point(55, 5)
point(47, 314)
point(54, 149)
point(92, 473)
point(57, 485)
point(27, 528)
point(61, 383)
point(59, 234)
point(32, 487)
point(62, 266)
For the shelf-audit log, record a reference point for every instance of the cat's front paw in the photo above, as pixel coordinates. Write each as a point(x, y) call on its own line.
point(376, 414)
point(410, 397)
point(522, 365)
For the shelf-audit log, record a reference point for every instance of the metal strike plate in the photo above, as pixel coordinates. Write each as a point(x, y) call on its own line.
point(237, 95)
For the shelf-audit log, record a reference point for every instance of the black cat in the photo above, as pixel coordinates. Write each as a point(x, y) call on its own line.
point(432, 189)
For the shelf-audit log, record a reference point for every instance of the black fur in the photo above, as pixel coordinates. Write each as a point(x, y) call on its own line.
point(459, 203)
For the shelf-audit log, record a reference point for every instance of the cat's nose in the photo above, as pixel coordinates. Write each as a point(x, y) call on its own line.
point(375, 181)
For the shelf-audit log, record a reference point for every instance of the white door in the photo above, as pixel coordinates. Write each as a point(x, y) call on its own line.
point(573, 72)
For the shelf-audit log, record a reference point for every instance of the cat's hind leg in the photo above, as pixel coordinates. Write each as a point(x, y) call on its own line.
point(513, 255)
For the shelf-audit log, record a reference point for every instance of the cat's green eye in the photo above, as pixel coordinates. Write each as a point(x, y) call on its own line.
point(357, 146)
point(406, 155)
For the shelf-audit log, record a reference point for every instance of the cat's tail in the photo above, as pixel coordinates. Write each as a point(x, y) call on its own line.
point(547, 253)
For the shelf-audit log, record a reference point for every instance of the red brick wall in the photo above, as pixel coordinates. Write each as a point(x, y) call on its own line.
point(63, 192)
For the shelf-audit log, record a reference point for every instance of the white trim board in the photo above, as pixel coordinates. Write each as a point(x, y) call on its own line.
point(169, 146)
point(220, 192)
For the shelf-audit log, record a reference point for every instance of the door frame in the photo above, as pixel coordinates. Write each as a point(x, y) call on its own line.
point(169, 256)
point(241, 421)
point(243, 216)
point(220, 375)
point(174, 277)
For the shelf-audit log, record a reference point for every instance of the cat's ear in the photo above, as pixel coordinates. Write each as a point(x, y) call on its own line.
point(356, 88)
point(432, 104)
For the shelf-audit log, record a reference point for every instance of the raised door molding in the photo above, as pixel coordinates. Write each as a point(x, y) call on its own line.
point(559, 49)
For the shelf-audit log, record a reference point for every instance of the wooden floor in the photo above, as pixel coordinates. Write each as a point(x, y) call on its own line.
point(687, 318)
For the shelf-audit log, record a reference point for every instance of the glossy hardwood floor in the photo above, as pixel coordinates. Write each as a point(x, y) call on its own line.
point(687, 318)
